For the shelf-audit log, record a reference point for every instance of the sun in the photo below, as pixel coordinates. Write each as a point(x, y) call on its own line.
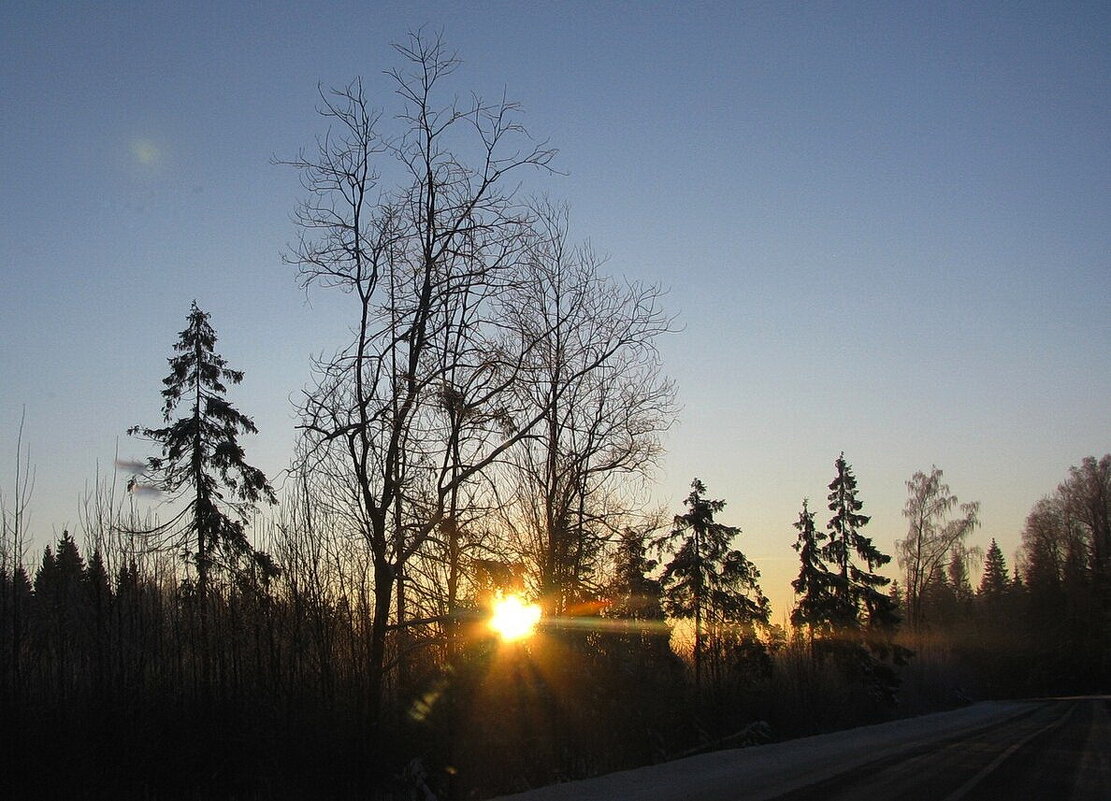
point(513, 619)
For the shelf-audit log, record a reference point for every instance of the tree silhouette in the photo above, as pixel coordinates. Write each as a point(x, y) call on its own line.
point(409, 415)
point(932, 536)
point(202, 462)
point(858, 597)
point(814, 583)
point(634, 595)
point(592, 374)
point(1086, 497)
point(706, 580)
point(994, 583)
point(62, 606)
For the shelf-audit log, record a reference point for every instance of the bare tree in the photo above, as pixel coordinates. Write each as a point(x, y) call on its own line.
point(412, 406)
point(1086, 499)
point(933, 536)
point(14, 522)
point(15, 519)
point(593, 377)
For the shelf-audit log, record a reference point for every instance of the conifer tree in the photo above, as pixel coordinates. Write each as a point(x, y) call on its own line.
point(858, 597)
point(814, 583)
point(860, 614)
point(958, 577)
point(637, 599)
point(45, 577)
point(960, 585)
point(706, 580)
point(16, 602)
point(97, 583)
point(71, 565)
point(995, 583)
point(59, 582)
point(62, 606)
point(98, 591)
point(202, 462)
point(634, 595)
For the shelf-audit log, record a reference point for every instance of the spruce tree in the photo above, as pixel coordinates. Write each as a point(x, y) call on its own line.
point(62, 607)
point(97, 584)
point(46, 580)
point(995, 582)
point(72, 598)
point(634, 594)
point(706, 580)
point(98, 590)
point(862, 615)
point(814, 583)
point(858, 597)
point(202, 463)
point(636, 599)
point(19, 596)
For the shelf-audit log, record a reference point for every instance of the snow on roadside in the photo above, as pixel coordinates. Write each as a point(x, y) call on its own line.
point(766, 771)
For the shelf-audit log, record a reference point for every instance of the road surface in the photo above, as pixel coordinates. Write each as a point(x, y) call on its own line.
point(1059, 750)
point(1045, 749)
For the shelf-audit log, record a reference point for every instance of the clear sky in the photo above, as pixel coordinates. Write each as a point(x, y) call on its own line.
point(886, 227)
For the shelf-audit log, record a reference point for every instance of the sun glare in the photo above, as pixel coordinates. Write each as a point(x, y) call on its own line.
point(513, 619)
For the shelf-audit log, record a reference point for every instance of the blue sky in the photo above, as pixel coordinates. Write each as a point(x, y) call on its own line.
point(884, 226)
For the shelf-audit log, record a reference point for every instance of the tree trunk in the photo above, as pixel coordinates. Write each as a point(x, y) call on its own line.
point(376, 670)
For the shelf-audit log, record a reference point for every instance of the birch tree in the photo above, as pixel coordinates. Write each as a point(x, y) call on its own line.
point(938, 524)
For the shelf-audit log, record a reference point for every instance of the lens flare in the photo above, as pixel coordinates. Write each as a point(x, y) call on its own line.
point(145, 152)
point(513, 619)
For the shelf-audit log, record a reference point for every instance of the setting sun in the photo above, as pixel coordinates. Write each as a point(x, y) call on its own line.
point(513, 619)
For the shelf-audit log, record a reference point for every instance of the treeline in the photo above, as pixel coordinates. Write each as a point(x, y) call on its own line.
point(261, 689)
point(1041, 627)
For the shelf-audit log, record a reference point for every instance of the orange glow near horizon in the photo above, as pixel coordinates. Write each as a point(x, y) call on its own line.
point(513, 619)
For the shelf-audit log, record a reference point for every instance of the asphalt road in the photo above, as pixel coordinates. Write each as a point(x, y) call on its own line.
point(1045, 750)
point(1060, 749)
